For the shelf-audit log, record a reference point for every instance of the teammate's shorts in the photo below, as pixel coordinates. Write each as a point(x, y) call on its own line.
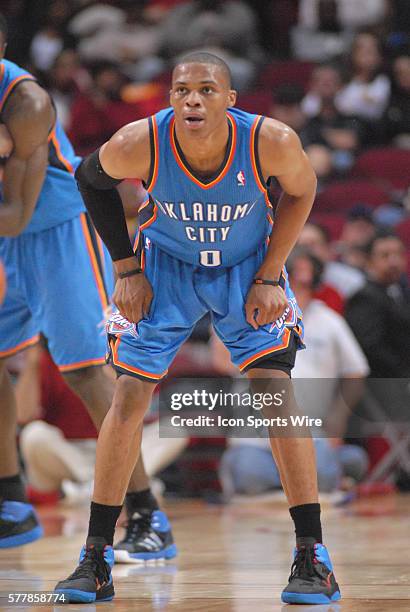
point(182, 294)
point(58, 283)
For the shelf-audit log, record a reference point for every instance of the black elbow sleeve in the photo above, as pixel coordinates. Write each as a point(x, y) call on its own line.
point(104, 205)
point(90, 173)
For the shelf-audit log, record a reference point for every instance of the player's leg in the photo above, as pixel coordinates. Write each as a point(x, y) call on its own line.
point(18, 522)
point(140, 355)
point(267, 355)
point(312, 579)
point(95, 386)
point(78, 284)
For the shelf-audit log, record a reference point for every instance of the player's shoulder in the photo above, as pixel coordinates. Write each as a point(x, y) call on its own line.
point(128, 152)
point(129, 139)
point(274, 132)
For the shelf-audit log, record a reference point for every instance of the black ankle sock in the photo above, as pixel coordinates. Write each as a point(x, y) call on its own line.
point(307, 521)
point(102, 521)
point(12, 489)
point(140, 501)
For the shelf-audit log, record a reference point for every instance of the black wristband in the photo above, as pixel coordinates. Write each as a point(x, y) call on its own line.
point(264, 281)
point(129, 273)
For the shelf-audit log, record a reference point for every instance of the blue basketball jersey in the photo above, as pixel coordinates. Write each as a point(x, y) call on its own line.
point(59, 198)
point(215, 222)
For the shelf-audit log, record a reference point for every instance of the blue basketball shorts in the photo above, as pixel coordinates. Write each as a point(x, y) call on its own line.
point(182, 294)
point(59, 282)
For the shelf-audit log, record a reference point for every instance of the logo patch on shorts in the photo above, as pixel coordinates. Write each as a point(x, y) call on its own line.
point(117, 325)
point(288, 319)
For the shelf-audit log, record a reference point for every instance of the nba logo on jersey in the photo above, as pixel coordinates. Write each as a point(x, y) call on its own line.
point(147, 243)
point(241, 179)
point(288, 319)
point(118, 325)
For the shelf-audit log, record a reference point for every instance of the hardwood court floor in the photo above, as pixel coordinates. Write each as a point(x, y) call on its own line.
point(232, 559)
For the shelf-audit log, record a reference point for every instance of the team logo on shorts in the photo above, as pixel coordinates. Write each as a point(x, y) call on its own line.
point(288, 319)
point(240, 177)
point(117, 325)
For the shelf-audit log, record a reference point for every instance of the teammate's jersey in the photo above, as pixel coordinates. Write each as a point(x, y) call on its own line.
point(59, 198)
point(215, 222)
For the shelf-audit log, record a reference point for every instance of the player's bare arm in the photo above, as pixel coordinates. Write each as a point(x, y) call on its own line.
point(281, 155)
point(125, 155)
point(28, 116)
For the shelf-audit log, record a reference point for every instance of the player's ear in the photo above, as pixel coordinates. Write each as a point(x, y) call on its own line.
point(232, 97)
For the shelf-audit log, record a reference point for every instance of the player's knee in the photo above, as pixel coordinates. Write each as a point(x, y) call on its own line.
point(82, 378)
point(132, 398)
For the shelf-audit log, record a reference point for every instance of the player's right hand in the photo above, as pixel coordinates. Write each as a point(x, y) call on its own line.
point(133, 296)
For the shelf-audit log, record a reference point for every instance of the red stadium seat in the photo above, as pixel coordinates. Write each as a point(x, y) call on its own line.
point(280, 73)
point(387, 165)
point(341, 196)
point(258, 102)
point(333, 222)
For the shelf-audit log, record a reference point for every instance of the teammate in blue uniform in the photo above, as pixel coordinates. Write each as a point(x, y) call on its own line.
point(203, 247)
point(59, 278)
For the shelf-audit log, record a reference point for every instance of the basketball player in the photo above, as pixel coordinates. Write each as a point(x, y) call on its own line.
point(202, 247)
point(59, 280)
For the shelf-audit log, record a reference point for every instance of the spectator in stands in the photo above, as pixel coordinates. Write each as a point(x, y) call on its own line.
point(379, 313)
point(228, 28)
point(396, 120)
point(330, 137)
point(126, 36)
point(99, 112)
point(333, 355)
point(337, 275)
point(320, 35)
point(53, 36)
point(286, 106)
point(66, 80)
point(358, 229)
point(368, 91)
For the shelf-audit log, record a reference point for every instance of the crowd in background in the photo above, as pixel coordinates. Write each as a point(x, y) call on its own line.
point(337, 72)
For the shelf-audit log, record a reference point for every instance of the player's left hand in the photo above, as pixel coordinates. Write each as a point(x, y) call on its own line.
point(6, 142)
point(269, 302)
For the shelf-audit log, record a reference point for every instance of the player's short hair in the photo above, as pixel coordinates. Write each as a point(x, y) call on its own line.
point(3, 26)
point(202, 57)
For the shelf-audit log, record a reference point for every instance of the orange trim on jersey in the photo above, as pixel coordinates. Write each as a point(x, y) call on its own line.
point(253, 156)
point(60, 156)
point(20, 347)
point(94, 264)
point(143, 205)
point(151, 220)
point(82, 364)
point(12, 85)
point(284, 344)
point(1, 71)
point(135, 245)
point(142, 260)
point(125, 366)
point(267, 201)
point(156, 154)
point(224, 170)
point(269, 218)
